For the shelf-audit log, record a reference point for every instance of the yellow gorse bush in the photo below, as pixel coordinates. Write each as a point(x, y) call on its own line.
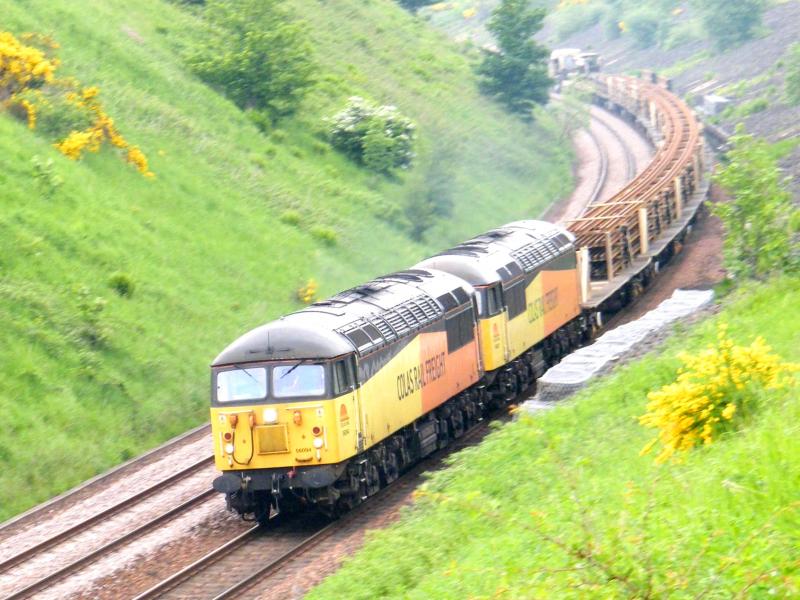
point(716, 390)
point(28, 84)
point(307, 292)
point(22, 65)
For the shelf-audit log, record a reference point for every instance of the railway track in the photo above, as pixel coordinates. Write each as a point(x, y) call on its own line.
point(601, 145)
point(602, 159)
point(630, 159)
point(51, 559)
point(24, 522)
point(233, 568)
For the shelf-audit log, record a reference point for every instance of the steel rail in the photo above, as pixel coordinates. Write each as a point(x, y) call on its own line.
point(104, 514)
point(383, 495)
point(55, 502)
point(76, 565)
point(630, 159)
point(602, 178)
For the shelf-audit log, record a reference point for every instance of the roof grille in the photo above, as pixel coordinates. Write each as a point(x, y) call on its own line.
point(534, 255)
point(377, 330)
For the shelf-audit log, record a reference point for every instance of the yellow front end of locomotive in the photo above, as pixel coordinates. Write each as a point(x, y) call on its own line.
point(266, 436)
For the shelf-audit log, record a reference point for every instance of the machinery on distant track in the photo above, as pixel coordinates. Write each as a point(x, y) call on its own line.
point(326, 405)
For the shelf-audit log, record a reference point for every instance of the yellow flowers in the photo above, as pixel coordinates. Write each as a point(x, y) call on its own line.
point(27, 79)
point(715, 390)
point(22, 66)
point(307, 293)
point(30, 113)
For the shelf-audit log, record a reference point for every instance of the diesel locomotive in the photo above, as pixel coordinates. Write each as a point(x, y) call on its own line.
point(326, 405)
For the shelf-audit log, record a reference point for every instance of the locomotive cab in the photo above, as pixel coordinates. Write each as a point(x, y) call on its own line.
point(327, 404)
point(263, 412)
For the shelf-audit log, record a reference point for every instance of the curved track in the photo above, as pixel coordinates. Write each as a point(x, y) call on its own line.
point(610, 150)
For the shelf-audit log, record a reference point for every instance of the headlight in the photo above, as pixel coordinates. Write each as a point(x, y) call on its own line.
point(270, 415)
point(318, 443)
point(229, 448)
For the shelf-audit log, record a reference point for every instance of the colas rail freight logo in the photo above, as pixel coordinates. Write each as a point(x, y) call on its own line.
point(418, 376)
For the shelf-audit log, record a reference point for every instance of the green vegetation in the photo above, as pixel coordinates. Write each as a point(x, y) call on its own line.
point(378, 137)
point(665, 23)
point(572, 18)
point(730, 23)
point(116, 291)
point(516, 75)
point(644, 25)
point(759, 236)
point(745, 109)
point(792, 81)
point(562, 505)
point(684, 65)
point(413, 5)
point(257, 54)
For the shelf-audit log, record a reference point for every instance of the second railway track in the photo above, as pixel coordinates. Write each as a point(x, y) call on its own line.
point(40, 565)
point(258, 555)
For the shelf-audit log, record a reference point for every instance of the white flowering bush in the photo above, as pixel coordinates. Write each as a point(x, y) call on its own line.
point(378, 137)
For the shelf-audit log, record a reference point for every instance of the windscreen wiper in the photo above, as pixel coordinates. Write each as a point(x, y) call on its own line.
point(301, 362)
point(246, 372)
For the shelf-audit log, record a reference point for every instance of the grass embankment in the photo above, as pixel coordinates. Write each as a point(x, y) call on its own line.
point(561, 505)
point(234, 222)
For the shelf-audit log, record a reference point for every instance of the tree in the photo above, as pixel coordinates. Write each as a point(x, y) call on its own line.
point(730, 23)
point(256, 54)
point(758, 217)
point(516, 74)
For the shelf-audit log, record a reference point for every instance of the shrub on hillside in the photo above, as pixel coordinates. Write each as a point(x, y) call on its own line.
point(792, 81)
point(643, 26)
point(61, 108)
point(572, 18)
point(414, 5)
point(122, 284)
point(378, 137)
point(715, 391)
point(758, 218)
point(730, 23)
point(307, 292)
point(326, 235)
point(256, 54)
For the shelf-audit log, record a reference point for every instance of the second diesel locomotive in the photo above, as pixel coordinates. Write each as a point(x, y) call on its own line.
point(326, 405)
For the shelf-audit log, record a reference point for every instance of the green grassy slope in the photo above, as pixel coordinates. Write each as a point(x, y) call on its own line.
point(561, 505)
point(203, 242)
